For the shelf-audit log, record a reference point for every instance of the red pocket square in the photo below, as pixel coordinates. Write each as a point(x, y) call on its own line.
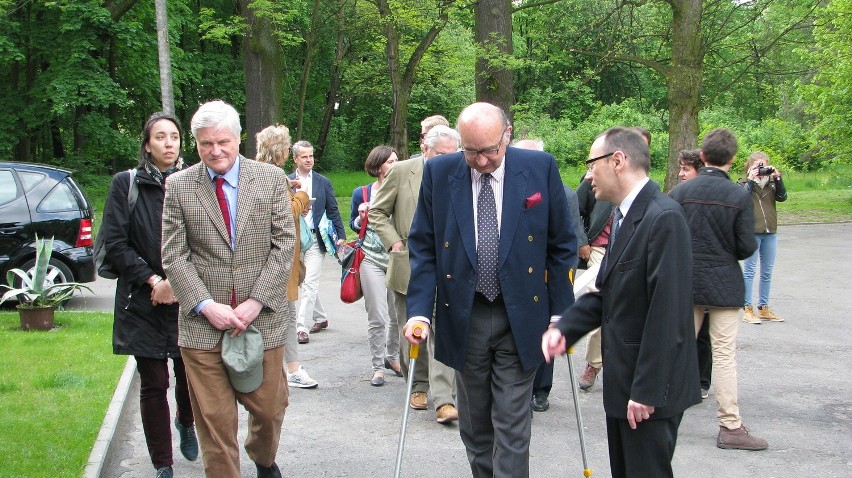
point(532, 201)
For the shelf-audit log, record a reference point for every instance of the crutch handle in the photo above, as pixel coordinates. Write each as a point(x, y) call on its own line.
point(414, 349)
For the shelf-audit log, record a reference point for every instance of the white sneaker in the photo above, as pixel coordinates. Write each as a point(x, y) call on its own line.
point(301, 379)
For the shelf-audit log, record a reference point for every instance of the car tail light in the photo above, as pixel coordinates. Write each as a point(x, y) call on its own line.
point(84, 236)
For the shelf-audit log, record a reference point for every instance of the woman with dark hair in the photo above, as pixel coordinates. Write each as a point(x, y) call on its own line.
point(382, 326)
point(146, 312)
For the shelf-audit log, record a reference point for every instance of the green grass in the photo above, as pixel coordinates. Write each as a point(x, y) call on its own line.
point(819, 196)
point(55, 388)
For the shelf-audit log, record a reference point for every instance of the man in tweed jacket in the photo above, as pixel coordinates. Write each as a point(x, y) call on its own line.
point(226, 280)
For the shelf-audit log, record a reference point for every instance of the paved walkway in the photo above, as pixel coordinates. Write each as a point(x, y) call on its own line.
point(793, 377)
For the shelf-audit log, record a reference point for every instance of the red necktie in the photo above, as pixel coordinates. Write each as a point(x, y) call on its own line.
point(226, 216)
point(223, 204)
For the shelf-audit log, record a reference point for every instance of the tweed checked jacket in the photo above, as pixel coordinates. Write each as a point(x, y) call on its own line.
point(199, 261)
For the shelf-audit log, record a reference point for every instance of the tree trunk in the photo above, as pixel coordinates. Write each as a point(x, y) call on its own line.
point(165, 57)
point(334, 88)
point(493, 35)
point(402, 81)
point(262, 62)
point(684, 81)
point(310, 43)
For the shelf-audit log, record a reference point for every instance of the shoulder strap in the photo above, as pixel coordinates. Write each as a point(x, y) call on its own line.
point(132, 190)
point(363, 214)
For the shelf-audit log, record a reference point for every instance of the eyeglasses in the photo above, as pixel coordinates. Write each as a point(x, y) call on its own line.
point(590, 163)
point(489, 153)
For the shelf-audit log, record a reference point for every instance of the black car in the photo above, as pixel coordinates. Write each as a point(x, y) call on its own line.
point(44, 200)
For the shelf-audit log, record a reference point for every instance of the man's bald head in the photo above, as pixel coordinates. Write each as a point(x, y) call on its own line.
point(485, 132)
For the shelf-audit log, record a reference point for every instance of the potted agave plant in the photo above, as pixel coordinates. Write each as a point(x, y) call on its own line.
point(38, 300)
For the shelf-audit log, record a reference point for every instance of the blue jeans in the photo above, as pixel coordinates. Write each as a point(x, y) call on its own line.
point(767, 246)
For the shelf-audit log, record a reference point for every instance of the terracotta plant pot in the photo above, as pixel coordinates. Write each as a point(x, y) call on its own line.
point(36, 318)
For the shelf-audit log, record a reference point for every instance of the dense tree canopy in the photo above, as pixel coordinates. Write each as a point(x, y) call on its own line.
point(82, 75)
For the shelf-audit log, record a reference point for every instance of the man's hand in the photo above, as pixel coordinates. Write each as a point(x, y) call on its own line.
point(636, 412)
point(248, 311)
point(552, 343)
point(222, 317)
point(397, 246)
point(419, 325)
point(162, 293)
point(295, 184)
point(364, 206)
point(585, 252)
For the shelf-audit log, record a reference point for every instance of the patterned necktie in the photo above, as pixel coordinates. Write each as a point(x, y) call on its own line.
point(487, 282)
point(613, 231)
point(223, 204)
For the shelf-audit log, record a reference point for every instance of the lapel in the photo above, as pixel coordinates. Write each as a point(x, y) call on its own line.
point(318, 193)
point(415, 177)
point(628, 227)
point(245, 198)
point(514, 188)
point(207, 198)
point(461, 194)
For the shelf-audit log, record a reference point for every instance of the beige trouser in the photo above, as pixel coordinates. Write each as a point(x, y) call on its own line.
point(593, 344)
point(724, 324)
point(430, 375)
point(214, 406)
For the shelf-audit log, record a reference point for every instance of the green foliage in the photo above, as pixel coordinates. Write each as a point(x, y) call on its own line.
point(54, 391)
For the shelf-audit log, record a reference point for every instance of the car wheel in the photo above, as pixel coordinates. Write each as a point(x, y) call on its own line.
point(57, 272)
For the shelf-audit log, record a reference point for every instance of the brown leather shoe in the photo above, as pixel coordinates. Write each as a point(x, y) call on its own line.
point(739, 439)
point(318, 326)
point(765, 313)
point(302, 337)
point(446, 414)
point(588, 377)
point(418, 401)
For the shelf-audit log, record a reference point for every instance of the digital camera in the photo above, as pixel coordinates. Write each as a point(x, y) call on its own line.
point(765, 170)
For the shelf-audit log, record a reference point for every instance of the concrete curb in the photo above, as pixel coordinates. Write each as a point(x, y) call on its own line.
point(101, 448)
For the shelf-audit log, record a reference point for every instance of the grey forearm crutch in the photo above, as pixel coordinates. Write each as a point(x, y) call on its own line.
point(587, 472)
point(413, 351)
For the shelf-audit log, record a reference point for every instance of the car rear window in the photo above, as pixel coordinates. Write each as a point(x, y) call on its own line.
point(61, 198)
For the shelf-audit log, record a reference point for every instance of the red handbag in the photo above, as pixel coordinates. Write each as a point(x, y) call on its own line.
point(353, 254)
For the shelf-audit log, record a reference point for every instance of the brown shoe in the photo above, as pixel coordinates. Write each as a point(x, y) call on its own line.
point(446, 413)
point(302, 337)
point(418, 401)
point(588, 377)
point(765, 313)
point(318, 326)
point(739, 439)
point(749, 317)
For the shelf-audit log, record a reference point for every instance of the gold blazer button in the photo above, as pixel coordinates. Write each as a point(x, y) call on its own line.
point(530, 238)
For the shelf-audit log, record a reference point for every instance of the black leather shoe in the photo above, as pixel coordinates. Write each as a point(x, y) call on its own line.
point(188, 441)
point(378, 379)
point(270, 471)
point(398, 373)
point(540, 403)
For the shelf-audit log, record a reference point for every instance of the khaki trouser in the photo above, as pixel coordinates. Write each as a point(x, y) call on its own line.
point(593, 344)
point(214, 406)
point(430, 375)
point(724, 325)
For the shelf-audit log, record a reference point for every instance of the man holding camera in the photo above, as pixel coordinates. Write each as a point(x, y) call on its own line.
point(721, 219)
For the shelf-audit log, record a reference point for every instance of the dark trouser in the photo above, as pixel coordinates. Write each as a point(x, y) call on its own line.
point(705, 353)
point(646, 451)
point(154, 405)
point(544, 377)
point(494, 396)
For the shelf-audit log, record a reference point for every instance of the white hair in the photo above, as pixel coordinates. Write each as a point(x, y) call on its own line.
point(215, 114)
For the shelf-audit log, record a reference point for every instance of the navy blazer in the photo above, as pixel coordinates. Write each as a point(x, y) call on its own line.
point(326, 203)
point(537, 249)
point(644, 309)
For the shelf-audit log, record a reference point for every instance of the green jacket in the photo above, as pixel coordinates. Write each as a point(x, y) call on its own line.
point(764, 199)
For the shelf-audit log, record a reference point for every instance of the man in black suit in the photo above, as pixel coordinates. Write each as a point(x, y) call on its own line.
point(643, 307)
point(491, 238)
point(323, 216)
